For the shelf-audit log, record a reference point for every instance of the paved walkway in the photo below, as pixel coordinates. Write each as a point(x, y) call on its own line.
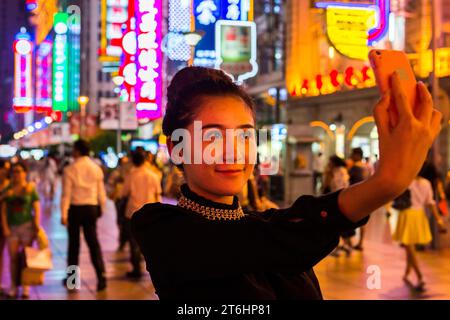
point(341, 278)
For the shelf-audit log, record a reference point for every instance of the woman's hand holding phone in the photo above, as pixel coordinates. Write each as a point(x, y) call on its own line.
point(404, 142)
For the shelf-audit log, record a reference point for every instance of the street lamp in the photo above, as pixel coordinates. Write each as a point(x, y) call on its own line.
point(82, 101)
point(192, 38)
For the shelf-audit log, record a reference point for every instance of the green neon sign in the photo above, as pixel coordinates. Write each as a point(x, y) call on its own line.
point(60, 63)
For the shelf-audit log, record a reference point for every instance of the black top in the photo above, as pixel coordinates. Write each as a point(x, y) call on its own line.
point(261, 256)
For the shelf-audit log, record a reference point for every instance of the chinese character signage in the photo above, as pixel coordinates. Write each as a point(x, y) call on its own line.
point(114, 15)
point(207, 13)
point(23, 52)
point(148, 89)
point(60, 63)
point(44, 77)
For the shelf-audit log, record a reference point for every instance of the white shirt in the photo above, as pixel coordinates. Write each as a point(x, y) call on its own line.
point(82, 185)
point(318, 163)
point(141, 186)
point(421, 193)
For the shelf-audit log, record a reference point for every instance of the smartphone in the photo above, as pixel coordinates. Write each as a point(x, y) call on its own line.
point(385, 62)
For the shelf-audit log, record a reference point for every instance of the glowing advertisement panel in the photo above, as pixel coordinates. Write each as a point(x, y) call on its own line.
point(44, 77)
point(179, 21)
point(114, 15)
point(236, 48)
point(354, 24)
point(207, 13)
point(74, 26)
point(23, 52)
point(148, 88)
point(60, 63)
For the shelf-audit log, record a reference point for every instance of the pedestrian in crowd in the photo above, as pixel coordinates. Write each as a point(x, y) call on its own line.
point(413, 227)
point(82, 202)
point(205, 247)
point(432, 174)
point(141, 186)
point(318, 166)
point(336, 178)
point(358, 172)
point(173, 183)
point(151, 164)
point(49, 174)
point(115, 189)
point(4, 185)
point(20, 221)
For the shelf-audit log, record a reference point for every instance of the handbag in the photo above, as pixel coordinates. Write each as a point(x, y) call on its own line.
point(403, 201)
point(37, 259)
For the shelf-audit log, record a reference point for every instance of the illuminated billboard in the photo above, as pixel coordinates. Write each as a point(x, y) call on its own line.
point(44, 77)
point(207, 13)
point(60, 63)
point(23, 53)
point(114, 15)
point(148, 59)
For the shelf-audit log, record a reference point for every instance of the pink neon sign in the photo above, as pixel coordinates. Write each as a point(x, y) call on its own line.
point(148, 89)
point(44, 77)
point(23, 96)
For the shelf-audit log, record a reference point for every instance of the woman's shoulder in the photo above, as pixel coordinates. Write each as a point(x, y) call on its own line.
point(154, 212)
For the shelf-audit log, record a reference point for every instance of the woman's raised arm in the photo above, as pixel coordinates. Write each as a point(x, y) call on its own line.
point(403, 148)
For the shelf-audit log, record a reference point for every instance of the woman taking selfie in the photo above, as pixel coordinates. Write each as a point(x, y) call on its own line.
point(205, 247)
point(20, 220)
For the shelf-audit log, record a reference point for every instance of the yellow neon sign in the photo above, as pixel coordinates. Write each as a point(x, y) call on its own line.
point(348, 30)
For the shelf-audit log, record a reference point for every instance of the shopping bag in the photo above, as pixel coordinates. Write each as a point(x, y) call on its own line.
point(31, 277)
point(38, 260)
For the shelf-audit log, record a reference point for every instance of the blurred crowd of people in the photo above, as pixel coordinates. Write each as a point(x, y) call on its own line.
point(423, 205)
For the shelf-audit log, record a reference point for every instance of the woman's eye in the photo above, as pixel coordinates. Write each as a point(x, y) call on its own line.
point(213, 134)
point(246, 135)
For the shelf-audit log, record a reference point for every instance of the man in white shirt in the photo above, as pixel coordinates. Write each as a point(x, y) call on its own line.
point(83, 198)
point(318, 166)
point(141, 186)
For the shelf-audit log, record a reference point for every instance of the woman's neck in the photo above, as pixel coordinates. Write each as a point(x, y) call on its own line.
point(211, 196)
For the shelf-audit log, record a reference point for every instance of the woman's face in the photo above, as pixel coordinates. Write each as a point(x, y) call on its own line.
point(228, 131)
point(18, 174)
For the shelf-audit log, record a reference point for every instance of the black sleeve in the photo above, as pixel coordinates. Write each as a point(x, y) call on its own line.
point(186, 247)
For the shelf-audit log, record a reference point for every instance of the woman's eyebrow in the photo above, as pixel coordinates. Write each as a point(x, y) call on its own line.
point(220, 126)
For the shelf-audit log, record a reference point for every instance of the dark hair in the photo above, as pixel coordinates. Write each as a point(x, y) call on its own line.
point(82, 146)
point(138, 157)
point(2, 164)
point(187, 88)
point(19, 164)
point(357, 152)
point(337, 161)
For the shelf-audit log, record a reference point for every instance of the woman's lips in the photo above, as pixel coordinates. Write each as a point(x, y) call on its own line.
point(230, 172)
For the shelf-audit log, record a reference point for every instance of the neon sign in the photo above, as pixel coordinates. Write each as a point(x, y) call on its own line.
point(179, 22)
point(357, 18)
point(44, 77)
point(127, 70)
point(207, 13)
point(333, 81)
point(113, 16)
point(60, 63)
point(236, 47)
point(148, 60)
point(23, 50)
point(73, 75)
